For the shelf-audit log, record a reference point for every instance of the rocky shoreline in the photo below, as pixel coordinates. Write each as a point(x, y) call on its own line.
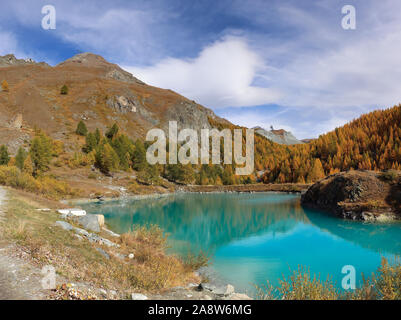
point(252, 188)
point(357, 195)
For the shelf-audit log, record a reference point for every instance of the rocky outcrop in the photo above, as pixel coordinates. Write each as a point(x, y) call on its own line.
point(122, 104)
point(10, 60)
point(357, 195)
point(278, 136)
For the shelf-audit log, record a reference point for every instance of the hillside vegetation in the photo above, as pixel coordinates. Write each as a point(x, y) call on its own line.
point(371, 142)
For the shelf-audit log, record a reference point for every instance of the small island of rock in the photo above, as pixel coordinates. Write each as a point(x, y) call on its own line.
point(358, 195)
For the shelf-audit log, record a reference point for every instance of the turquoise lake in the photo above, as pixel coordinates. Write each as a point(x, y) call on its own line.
point(256, 237)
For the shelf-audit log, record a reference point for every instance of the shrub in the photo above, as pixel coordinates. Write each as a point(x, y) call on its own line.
point(4, 86)
point(389, 176)
point(4, 156)
point(64, 90)
point(20, 158)
point(81, 129)
point(193, 261)
point(385, 284)
point(47, 186)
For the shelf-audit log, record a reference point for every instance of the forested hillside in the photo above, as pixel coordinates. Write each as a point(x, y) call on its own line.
point(371, 142)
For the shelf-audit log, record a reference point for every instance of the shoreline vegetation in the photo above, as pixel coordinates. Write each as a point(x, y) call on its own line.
point(384, 284)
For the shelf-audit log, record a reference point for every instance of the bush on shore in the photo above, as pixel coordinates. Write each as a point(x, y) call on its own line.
point(385, 284)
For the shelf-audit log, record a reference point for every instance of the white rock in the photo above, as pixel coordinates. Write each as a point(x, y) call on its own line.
point(110, 233)
point(239, 296)
point(131, 256)
point(229, 290)
point(77, 212)
point(138, 296)
point(78, 237)
point(64, 225)
point(72, 212)
point(206, 297)
point(103, 292)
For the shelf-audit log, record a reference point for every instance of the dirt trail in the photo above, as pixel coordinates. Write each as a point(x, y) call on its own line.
point(18, 278)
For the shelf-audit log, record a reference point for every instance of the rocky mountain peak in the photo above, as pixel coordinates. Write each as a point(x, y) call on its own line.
point(111, 70)
point(10, 60)
point(278, 136)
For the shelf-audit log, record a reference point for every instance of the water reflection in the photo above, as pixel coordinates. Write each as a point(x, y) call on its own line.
point(381, 238)
point(198, 222)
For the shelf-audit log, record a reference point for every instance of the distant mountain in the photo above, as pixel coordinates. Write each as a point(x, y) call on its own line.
point(278, 136)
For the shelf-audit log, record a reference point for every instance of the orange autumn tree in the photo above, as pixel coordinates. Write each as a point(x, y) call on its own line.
point(4, 86)
point(371, 142)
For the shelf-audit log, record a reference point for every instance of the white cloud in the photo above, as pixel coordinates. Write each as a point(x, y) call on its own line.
point(221, 76)
point(8, 43)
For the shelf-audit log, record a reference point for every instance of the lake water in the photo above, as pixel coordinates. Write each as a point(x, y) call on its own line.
point(257, 237)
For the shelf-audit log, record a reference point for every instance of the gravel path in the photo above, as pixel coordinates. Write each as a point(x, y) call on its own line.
point(18, 279)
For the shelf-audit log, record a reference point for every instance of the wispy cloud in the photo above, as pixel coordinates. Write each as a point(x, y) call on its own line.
point(222, 75)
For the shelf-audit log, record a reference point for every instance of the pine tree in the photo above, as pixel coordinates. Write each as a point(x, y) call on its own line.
point(316, 172)
point(139, 156)
point(64, 90)
point(112, 132)
point(20, 158)
point(81, 129)
point(28, 166)
point(41, 153)
point(106, 159)
point(91, 143)
point(4, 156)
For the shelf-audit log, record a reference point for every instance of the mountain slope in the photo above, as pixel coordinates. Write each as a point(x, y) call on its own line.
point(100, 93)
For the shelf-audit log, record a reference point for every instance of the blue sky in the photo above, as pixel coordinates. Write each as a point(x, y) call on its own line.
point(284, 63)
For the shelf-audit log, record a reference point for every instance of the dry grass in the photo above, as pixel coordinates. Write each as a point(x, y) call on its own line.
point(385, 284)
point(78, 260)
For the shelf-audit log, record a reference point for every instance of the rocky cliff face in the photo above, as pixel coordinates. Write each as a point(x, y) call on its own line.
point(278, 136)
point(100, 93)
point(357, 195)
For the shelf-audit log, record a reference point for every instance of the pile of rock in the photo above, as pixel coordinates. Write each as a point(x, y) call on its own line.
point(91, 222)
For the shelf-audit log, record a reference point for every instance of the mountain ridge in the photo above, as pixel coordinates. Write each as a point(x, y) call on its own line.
point(100, 93)
point(279, 136)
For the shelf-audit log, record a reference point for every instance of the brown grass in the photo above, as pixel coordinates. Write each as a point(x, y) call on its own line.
point(78, 260)
point(385, 284)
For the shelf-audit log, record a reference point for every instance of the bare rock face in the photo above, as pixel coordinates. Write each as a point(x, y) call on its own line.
point(122, 104)
point(278, 136)
point(10, 60)
point(357, 195)
point(124, 76)
point(189, 115)
point(17, 122)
